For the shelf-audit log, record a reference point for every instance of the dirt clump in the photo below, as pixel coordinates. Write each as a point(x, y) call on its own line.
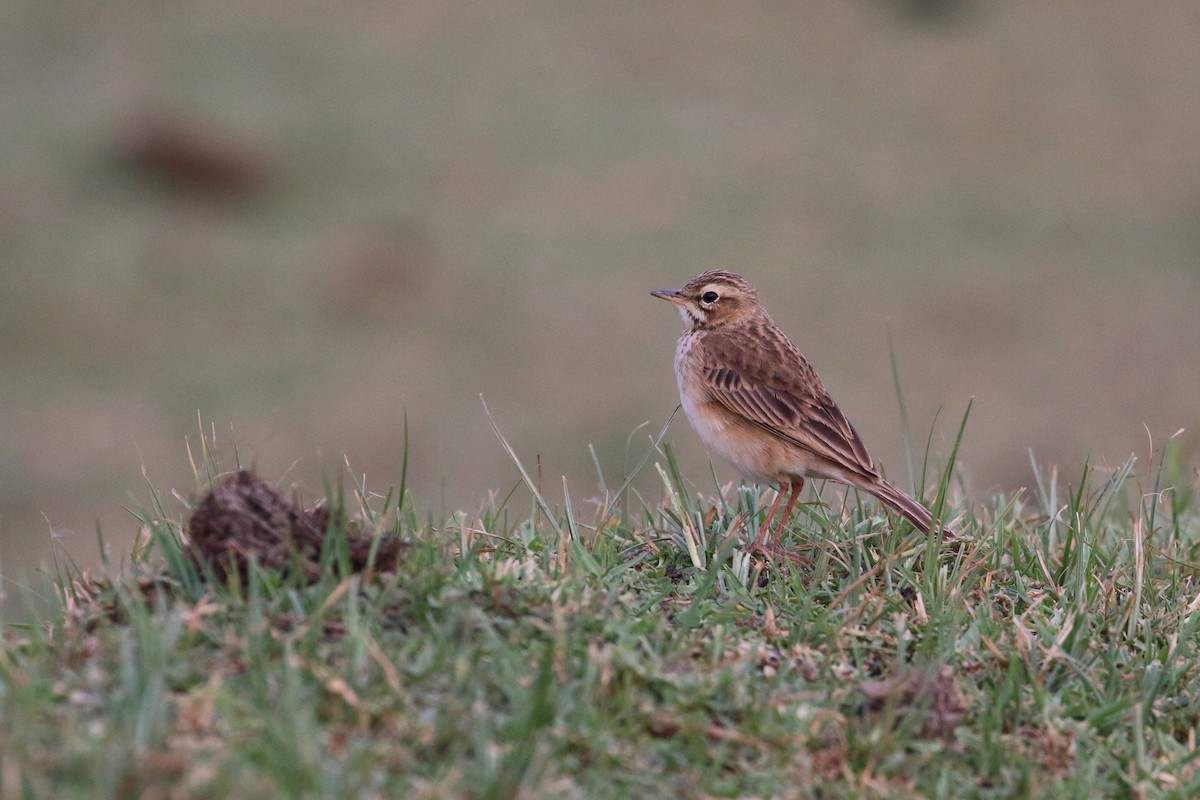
point(245, 518)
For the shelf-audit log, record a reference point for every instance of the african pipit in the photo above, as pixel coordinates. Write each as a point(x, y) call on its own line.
point(756, 401)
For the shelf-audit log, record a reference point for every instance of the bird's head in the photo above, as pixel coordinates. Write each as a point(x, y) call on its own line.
point(714, 299)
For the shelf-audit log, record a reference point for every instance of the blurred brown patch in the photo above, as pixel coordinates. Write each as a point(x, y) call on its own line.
point(933, 703)
point(89, 599)
point(184, 157)
point(380, 265)
point(1053, 749)
point(246, 518)
point(827, 748)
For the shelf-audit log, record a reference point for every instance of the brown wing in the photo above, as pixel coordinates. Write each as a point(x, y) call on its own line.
point(777, 389)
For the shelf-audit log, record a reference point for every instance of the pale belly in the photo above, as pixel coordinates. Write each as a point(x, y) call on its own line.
point(756, 453)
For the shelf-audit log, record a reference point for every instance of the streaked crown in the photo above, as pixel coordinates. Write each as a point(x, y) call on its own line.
point(714, 299)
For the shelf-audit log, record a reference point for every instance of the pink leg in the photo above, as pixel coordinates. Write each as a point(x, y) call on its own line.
point(792, 491)
point(797, 487)
point(766, 523)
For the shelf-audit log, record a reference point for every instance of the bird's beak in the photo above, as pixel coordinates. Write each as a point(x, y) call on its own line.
point(674, 295)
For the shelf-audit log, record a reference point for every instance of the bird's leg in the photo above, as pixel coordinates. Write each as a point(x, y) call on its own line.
point(797, 487)
point(792, 491)
point(767, 518)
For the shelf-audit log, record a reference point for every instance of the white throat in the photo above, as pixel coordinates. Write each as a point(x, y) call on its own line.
point(690, 318)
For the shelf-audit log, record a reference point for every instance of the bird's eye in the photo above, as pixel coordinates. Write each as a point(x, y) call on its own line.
point(709, 297)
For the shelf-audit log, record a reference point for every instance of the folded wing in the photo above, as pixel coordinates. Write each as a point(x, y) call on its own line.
point(786, 398)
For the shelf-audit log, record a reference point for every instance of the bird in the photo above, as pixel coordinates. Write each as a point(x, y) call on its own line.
point(756, 401)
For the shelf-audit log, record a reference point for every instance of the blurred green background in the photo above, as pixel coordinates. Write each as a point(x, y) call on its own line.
point(297, 221)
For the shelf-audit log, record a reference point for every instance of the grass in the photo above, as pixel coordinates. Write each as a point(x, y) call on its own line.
point(628, 647)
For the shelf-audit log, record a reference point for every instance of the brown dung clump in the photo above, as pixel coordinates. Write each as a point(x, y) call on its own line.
point(246, 519)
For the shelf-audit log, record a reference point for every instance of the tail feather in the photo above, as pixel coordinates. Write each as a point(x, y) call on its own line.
point(906, 506)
